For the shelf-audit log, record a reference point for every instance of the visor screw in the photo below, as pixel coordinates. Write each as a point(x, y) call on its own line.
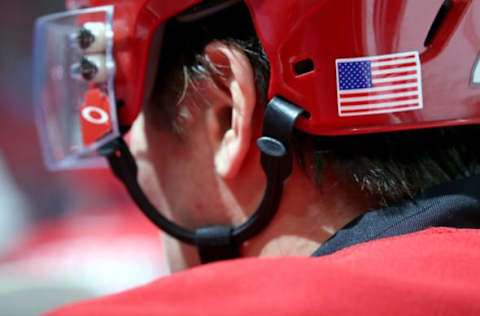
point(88, 69)
point(85, 38)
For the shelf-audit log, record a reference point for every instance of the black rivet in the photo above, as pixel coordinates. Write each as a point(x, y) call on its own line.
point(271, 147)
point(85, 38)
point(88, 69)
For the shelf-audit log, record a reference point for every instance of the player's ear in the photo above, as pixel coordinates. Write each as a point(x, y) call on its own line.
point(232, 105)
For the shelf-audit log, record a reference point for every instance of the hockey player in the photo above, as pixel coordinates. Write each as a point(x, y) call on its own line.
point(352, 110)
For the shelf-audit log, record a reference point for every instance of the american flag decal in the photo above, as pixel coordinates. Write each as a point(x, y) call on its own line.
point(379, 84)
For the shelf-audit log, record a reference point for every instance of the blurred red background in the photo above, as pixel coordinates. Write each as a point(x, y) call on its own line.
point(66, 235)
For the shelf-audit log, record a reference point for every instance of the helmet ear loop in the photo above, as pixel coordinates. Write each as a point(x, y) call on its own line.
point(222, 242)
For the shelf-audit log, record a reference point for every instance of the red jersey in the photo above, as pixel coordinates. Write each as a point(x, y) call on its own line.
point(432, 272)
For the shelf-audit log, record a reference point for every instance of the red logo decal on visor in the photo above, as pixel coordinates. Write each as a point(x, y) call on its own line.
point(95, 117)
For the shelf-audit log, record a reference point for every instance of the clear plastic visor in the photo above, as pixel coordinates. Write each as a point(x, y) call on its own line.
point(74, 86)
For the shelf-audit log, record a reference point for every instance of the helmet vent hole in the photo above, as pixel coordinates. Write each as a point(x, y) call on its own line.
point(437, 23)
point(303, 66)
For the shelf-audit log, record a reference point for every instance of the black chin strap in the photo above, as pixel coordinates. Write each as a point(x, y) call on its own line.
point(222, 242)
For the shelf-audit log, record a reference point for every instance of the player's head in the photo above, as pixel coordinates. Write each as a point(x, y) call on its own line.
point(207, 75)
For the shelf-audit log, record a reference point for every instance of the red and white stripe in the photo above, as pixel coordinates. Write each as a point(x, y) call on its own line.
point(396, 86)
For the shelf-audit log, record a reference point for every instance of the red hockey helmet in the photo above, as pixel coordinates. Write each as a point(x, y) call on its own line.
point(356, 66)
